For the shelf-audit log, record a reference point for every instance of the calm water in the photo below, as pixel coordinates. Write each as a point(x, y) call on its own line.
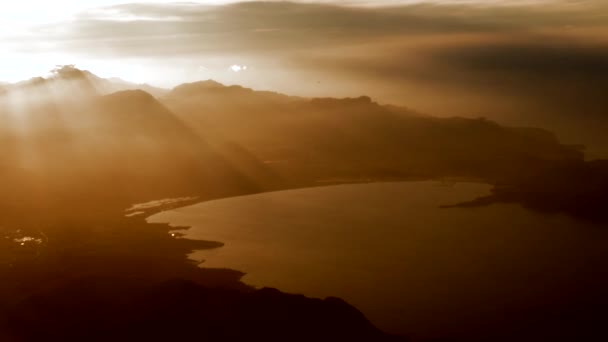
point(389, 249)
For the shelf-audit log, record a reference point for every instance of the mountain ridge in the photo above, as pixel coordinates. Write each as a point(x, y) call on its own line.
point(271, 140)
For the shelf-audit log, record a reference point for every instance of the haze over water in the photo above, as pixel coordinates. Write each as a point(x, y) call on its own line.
point(388, 248)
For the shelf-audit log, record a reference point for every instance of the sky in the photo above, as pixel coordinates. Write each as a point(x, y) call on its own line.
point(537, 62)
point(33, 33)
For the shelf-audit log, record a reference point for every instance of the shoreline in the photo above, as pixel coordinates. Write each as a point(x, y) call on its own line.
point(144, 214)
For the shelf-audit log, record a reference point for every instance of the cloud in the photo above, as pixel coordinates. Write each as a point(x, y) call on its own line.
point(164, 29)
point(551, 81)
point(541, 63)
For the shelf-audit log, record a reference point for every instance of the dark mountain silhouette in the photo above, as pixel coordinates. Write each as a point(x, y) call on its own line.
point(578, 189)
point(180, 310)
point(119, 148)
point(348, 138)
point(353, 139)
point(275, 140)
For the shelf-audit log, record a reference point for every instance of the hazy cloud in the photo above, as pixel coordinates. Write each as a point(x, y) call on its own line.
point(544, 62)
point(136, 29)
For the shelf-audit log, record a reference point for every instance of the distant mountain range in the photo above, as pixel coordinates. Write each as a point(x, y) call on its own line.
point(65, 141)
point(75, 133)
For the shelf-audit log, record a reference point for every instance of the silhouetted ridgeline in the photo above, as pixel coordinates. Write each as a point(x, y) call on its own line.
point(63, 140)
point(321, 138)
point(118, 149)
point(312, 140)
point(128, 280)
point(93, 309)
point(578, 189)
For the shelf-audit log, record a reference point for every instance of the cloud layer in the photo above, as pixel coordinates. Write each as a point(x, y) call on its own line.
point(540, 63)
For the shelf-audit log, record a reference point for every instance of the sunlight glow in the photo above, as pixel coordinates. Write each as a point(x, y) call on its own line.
point(238, 68)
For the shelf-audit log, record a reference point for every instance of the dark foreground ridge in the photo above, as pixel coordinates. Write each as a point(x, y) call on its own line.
point(577, 189)
point(94, 309)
